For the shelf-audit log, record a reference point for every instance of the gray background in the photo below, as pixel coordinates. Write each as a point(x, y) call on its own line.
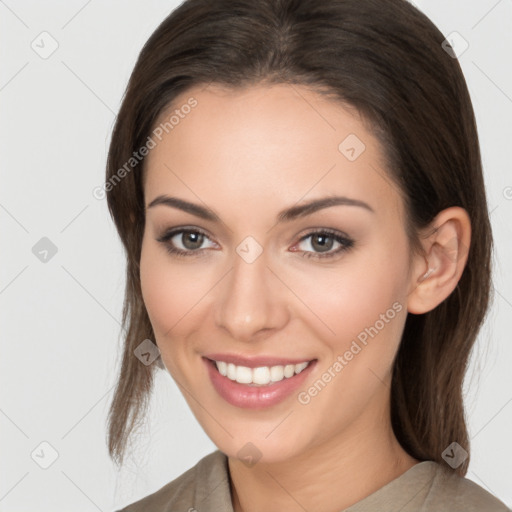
point(60, 317)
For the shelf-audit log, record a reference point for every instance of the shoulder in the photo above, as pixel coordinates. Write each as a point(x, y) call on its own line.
point(460, 494)
point(204, 486)
point(430, 487)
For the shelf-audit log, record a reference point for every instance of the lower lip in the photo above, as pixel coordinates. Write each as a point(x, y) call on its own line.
point(255, 397)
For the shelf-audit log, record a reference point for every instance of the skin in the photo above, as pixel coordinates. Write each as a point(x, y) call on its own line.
point(247, 154)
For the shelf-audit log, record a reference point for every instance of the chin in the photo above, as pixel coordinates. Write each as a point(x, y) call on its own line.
point(251, 445)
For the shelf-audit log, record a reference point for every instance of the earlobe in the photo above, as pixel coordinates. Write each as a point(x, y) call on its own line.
point(436, 274)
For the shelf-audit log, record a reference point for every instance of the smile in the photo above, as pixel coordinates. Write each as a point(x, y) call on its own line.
point(259, 383)
point(260, 376)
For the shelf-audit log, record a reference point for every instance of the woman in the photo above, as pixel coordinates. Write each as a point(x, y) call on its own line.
point(299, 190)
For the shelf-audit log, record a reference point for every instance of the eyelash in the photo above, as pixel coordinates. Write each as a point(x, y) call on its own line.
point(346, 243)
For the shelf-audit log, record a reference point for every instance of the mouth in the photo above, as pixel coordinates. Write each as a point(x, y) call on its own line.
point(260, 375)
point(255, 384)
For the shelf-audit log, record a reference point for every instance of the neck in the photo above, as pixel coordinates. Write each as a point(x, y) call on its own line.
point(328, 477)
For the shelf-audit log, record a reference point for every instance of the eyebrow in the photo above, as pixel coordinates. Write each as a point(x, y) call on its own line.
point(286, 215)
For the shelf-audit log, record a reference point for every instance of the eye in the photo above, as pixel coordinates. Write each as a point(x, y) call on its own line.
point(323, 242)
point(189, 242)
point(184, 242)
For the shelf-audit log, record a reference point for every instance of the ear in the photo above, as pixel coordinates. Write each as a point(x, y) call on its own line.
point(435, 275)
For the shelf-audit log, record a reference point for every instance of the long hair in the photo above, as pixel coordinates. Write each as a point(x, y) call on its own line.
point(388, 61)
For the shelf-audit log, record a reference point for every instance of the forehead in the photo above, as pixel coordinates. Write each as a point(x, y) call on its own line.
point(280, 142)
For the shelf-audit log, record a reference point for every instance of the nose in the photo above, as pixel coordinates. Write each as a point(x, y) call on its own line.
point(251, 301)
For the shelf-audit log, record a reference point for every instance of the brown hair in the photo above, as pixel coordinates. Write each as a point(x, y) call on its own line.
point(382, 57)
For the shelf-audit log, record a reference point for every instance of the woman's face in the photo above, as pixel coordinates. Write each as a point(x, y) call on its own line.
point(256, 288)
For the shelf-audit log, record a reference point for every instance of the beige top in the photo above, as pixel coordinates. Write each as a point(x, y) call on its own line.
point(426, 487)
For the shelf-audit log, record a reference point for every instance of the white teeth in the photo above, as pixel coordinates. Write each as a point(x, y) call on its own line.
point(299, 367)
point(222, 367)
point(289, 370)
point(243, 375)
point(276, 373)
point(260, 376)
point(231, 371)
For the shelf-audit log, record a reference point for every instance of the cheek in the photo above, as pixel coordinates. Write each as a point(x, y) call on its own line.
point(363, 305)
point(352, 297)
point(166, 290)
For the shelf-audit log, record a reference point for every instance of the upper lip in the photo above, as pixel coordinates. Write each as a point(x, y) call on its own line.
point(256, 361)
